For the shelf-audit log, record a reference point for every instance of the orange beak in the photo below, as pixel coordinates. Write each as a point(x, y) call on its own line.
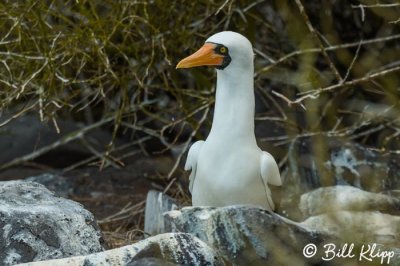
point(205, 56)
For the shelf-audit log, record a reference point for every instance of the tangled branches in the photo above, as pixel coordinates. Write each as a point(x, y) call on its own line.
point(92, 61)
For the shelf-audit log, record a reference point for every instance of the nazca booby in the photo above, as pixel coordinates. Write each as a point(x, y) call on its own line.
point(229, 168)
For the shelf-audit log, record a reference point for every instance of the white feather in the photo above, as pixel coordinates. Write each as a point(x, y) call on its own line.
point(191, 161)
point(270, 170)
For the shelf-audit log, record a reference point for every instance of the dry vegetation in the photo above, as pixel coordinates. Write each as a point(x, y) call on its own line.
point(323, 68)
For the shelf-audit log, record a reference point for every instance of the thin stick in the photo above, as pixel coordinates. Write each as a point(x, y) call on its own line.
point(330, 48)
point(17, 115)
point(313, 94)
point(352, 63)
point(66, 139)
point(186, 146)
point(321, 46)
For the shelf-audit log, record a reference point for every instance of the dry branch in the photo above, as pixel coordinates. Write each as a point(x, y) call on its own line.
point(78, 134)
point(329, 48)
point(316, 36)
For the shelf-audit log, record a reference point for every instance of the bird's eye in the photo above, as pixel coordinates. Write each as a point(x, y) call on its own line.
point(222, 50)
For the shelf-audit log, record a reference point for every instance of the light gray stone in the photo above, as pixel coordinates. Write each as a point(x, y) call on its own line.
point(364, 227)
point(157, 203)
point(151, 262)
point(169, 248)
point(37, 225)
point(335, 198)
point(355, 217)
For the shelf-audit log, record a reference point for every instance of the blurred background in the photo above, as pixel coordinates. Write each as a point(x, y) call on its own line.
point(89, 91)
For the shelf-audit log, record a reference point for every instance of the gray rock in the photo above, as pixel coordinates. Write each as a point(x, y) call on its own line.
point(246, 235)
point(355, 216)
point(37, 225)
point(156, 204)
point(322, 161)
point(365, 227)
point(52, 182)
point(169, 248)
point(150, 262)
point(394, 193)
point(335, 198)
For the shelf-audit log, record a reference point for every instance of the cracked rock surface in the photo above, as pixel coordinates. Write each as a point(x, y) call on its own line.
point(163, 249)
point(35, 224)
point(245, 235)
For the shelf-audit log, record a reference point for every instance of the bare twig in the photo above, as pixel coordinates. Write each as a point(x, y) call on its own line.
point(31, 78)
point(313, 32)
point(18, 114)
point(187, 143)
point(126, 212)
point(222, 7)
point(352, 63)
point(330, 48)
point(376, 5)
point(288, 101)
point(66, 139)
point(178, 121)
point(313, 94)
point(368, 77)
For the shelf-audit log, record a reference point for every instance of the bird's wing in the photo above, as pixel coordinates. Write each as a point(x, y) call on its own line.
point(270, 170)
point(271, 179)
point(191, 161)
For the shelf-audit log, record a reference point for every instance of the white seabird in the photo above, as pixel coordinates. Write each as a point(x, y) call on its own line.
point(229, 168)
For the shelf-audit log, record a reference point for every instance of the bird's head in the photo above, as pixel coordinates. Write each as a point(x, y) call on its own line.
point(222, 50)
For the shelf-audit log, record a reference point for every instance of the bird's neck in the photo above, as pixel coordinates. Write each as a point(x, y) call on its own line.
point(234, 107)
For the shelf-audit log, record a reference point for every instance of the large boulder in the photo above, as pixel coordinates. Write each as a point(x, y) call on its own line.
point(335, 198)
point(247, 236)
point(364, 227)
point(353, 215)
point(35, 224)
point(164, 249)
point(356, 217)
point(244, 235)
point(322, 161)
